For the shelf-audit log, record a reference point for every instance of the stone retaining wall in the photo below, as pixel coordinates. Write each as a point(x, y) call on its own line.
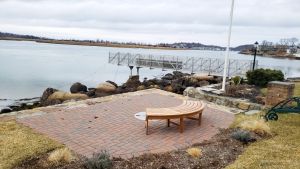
point(242, 104)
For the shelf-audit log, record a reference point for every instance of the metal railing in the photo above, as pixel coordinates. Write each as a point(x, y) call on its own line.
point(212, 66)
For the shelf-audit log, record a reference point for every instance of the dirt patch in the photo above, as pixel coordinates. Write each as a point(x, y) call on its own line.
point(217, 152)
point(41, 162)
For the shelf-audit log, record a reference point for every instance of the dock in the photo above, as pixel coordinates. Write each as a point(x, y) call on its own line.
point(211, 66)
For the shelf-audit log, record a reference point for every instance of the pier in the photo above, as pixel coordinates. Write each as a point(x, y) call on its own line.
point(211, 66)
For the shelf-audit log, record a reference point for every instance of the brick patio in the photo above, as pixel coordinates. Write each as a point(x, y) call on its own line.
point(111, 126)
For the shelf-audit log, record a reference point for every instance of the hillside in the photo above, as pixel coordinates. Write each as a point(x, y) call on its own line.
point(178, 45)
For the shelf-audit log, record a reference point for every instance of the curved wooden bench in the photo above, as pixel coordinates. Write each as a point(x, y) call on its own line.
point(188, 109)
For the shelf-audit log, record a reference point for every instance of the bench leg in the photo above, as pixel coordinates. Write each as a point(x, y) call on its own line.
point(168, 122)
point(181, 125)
point(147, 126)
point(199, 120)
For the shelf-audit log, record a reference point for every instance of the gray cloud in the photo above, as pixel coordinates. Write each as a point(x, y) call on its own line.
point(152, 21)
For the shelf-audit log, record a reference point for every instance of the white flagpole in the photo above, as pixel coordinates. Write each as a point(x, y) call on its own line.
point(228, 47)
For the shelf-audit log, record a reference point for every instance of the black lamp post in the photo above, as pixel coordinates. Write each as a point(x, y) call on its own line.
point(255, 52)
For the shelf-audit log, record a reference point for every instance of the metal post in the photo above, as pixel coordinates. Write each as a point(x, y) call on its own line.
point(228, 46)
point(228, 72)
point(138, 70)
point(192, 65)
point(131, 67)
point(254, 61)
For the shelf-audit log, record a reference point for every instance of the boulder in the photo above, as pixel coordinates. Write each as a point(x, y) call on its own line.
point(106, 87)
point(168, 76)
point(168, 88)
point(133, 82)
point(46, 94)
point(244, 105)
point(190, 82)
point(78, 88)
point(51, 102)
point(178, 74)
point(202, 77)
point(142, 87)
point(203, 83)
point(178, 85)
point(113, 83)
point(91, 92)
point(164, 82)
point(150, 82)
point(155, 86)
point(63, 96)
point(190, 91)
point(5, 110)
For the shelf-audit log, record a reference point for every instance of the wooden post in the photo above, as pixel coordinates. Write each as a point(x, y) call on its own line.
point(147, 126)
point(200, 116)
point(181, 125)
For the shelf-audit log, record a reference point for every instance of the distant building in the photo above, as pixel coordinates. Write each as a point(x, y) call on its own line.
point(298, 52)
point(292, 50)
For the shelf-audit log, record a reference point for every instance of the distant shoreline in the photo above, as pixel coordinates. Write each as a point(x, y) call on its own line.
point(85, 43)
point(272, 56)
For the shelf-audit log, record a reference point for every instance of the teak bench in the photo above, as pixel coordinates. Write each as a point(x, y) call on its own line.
point(188, 109)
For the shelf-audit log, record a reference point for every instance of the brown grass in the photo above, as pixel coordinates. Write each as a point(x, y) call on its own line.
point(63, 96)
point(279, 151)
point(62, 155)
point(259, 127)
point(297, 89)
point(18, 143)
point(194, 152)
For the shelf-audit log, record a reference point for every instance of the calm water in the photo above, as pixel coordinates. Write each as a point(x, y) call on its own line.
point(27, 68)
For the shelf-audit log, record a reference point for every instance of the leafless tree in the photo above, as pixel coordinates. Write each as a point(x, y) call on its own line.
point(266, 45)
point(293, 41)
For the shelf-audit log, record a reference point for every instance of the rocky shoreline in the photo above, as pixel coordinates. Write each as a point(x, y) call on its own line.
point(276, 56)
point(175, 82)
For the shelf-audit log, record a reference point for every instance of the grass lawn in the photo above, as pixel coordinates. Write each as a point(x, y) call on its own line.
point(297, 89)
point(282, 150)
point(18, 143)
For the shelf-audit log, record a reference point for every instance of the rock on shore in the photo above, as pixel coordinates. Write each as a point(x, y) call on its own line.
point(175, 82)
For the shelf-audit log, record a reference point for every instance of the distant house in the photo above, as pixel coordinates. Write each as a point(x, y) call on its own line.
point(297, 54)
point(292, 50)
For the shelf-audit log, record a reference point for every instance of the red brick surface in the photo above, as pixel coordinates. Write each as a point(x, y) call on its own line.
point(112, 126)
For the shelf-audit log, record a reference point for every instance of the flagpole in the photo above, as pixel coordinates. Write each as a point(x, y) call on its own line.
point(228, 47)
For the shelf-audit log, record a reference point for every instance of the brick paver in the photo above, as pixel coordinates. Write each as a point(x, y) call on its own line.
point(112, 126)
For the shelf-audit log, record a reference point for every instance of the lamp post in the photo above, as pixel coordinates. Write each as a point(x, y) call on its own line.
point(255, 53)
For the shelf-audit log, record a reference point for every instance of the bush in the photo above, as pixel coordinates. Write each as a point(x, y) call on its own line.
point(194, 152)
point(243, 136)
point(261, 77)
point(237, 80)
point(99, 161)
point(61, 155)
point(259, 127)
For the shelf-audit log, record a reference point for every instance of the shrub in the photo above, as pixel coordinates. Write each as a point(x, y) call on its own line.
point(243, 136)
point(99, 161)
point(61, 155)
point(194, 152)
point(237, 80)
point(261, 77)
point(259, 127)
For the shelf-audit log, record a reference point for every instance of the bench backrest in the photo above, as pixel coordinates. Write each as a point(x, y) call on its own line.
point(188, 107)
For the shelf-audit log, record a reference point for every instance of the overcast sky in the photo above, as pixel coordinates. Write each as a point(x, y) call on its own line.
point(153, 21)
